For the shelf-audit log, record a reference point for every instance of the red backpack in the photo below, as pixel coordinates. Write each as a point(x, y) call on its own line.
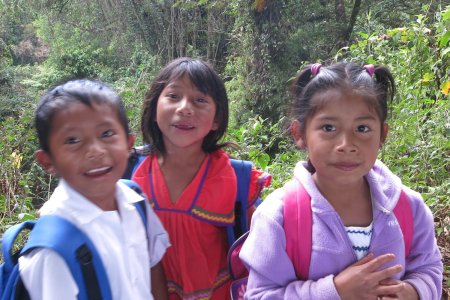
point(298, 223)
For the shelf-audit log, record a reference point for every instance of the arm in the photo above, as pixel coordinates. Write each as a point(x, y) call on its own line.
point(159, 285)
point(272, 274)
point(258, 181)
point(158, 243)
point(250, 212)
point(46, 276)
point(423, 267)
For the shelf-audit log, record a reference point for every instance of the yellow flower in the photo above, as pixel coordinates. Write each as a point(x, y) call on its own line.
point(16, 159)
point(446, 88)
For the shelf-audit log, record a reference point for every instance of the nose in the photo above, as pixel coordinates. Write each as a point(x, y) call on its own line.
point(95, 150)
point(347, 143)
point(185, 107)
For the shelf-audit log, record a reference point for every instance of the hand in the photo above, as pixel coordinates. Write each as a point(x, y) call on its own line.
point(406, 290)
point(362, 280)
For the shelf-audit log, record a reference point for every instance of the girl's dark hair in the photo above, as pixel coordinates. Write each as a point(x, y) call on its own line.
point(373, 82)
point(206, 80)
point(81, 90)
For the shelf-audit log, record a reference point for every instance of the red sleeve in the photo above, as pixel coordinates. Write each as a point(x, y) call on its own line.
point(259, 180)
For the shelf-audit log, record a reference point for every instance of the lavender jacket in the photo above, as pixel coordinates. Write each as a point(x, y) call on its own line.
point(272, 274)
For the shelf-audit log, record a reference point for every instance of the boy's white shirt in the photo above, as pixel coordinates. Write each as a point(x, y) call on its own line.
point(118, 236)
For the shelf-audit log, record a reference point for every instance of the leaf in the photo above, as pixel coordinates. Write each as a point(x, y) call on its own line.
point(446, 88)
point(427, 77)
point(263, 160)
point(363, 35)
point(444, 39)
point(446, 14)
point(26, 217)
point(446, 50)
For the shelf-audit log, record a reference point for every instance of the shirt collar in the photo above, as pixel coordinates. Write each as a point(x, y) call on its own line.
point(67, 201)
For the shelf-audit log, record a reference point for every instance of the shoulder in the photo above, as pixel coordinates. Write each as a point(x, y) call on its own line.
point(258, 179)
point(418, 205)
point(219, 158)
point(271, 208)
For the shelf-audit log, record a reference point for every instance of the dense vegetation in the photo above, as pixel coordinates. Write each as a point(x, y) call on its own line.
point(257, 46)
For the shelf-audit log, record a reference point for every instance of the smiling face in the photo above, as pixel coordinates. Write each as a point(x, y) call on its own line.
point(342, 138)
point(88, 148)
point(185, 115)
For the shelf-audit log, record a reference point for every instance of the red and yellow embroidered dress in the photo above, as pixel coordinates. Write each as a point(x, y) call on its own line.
point(196, 263)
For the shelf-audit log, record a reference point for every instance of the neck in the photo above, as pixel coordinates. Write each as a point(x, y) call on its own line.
point(340, 194)
point(182, 158)
point(105, 203)
point(351, 201)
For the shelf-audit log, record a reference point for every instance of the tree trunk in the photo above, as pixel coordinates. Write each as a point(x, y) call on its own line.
point(352, 21)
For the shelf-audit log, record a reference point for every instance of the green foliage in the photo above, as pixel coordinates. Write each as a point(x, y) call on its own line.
point(268, 146)
point(418, 148)
point(257, 46)
point(16, 158)
point(132, 84)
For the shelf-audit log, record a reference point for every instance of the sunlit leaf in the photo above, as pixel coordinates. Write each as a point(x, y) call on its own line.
point(444, 39)
point(446, 88)
point(427, 77)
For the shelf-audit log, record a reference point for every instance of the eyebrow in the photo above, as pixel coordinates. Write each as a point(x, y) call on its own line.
point(331, 118)
point(173, 85)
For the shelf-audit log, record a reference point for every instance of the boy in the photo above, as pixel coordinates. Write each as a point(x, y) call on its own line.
point(84, 139)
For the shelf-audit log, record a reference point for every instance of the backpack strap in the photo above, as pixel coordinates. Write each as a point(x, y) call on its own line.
point(134, 160)
point(78, 251)
point(403, 213)
point(298, 227)
point(9, 258)
point(242, 169)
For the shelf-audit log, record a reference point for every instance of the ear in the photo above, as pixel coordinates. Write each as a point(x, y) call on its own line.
point(44, 159)
point(131, 139)
point(384, 133)
point(297, 135)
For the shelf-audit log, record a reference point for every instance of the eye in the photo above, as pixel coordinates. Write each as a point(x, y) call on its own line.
point(201, 100)
point(172, 96)
point(363, 128)
point(108, 133)
point(328, 128)
point(71, 140)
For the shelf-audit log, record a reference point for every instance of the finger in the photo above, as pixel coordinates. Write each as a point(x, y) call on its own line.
point(364, 260)
point(377, 262)
point(390, 290)
point(389, 281)
point(387, 273)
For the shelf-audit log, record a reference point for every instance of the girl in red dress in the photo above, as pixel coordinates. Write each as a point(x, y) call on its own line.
point(188, 177)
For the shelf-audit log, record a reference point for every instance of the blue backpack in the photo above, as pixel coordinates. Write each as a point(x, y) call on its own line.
point(242, 169)
point(70, 243)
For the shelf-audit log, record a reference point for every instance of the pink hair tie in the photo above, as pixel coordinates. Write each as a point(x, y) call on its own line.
point(315, 69)
point(370, 69)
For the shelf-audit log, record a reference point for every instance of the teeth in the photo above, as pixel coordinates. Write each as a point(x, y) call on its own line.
point(97, 170)
point(184, 126)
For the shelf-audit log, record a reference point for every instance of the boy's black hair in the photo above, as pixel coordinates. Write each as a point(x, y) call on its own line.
point(81, 90)
point(206, 80)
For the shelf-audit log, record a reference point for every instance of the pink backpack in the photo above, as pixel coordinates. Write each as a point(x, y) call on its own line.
point(298, 223)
